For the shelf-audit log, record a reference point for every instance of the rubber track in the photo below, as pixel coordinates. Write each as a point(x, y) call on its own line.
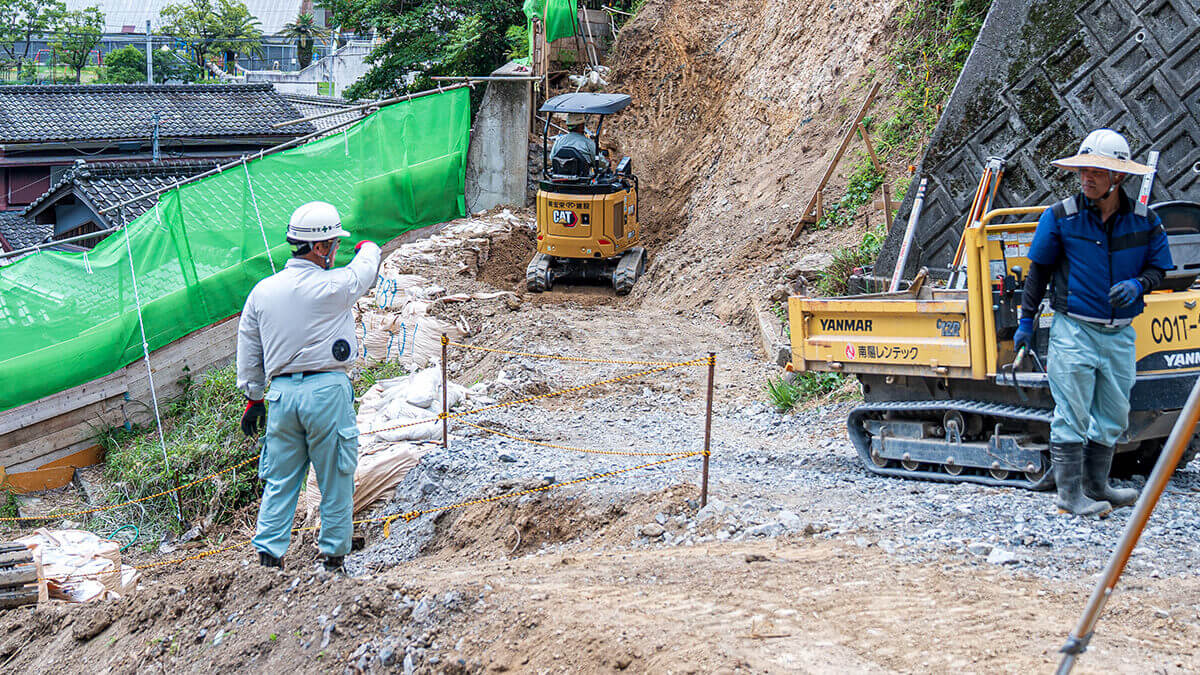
point(627, 273)
point(535, 273)
point(862, 441)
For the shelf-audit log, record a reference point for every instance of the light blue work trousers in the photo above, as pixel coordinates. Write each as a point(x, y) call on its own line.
point(1091, 369)
point(310, 419)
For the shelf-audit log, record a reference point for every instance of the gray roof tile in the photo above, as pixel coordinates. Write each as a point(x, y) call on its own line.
point(20, 232)
point(65, 113)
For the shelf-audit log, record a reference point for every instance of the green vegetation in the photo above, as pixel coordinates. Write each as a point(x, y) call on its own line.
point(305, 30)
point(202, 434)
point(228, 27)
point(21, 20)
point(79, 31)
point(384, 370)
point(835, 277)
point(863, 183)
point(935, 39)
point(127, 65)
point(785, 395)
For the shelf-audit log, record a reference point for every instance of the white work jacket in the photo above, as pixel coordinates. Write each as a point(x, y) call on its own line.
point(299, 320)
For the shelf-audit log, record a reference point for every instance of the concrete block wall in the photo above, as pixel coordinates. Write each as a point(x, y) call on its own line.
point(1041, 75)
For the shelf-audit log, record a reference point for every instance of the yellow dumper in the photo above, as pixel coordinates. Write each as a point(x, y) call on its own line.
point(945, 399)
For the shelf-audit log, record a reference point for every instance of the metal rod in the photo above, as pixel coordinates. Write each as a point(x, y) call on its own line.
point(614, 10)
point(371, 104)
point(238, 162)
point(1177, 442)
point(484, 78)
point(910, 233)
point(712, 373)
point(445, 407)
point(56, 242)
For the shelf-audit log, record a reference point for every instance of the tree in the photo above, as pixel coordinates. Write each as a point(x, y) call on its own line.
point(22, 20)
point(237, 32)
point(195, 23)
point(127, 65)
point(424, 38)
point(78, 32)
point(304, 29)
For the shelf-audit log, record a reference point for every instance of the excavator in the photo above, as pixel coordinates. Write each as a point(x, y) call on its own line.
point(587, 211)
point(945, 398)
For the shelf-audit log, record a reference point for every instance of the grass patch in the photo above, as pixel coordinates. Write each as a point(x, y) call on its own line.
point(935, 39)
point(836, 276)
point(784, 395)
point(384, 370)
point(202, 435)
point(863, 183)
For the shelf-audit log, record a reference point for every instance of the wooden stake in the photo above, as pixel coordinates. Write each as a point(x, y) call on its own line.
point(806, 217)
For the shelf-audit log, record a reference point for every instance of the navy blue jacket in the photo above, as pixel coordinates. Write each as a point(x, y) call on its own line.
point(1089, 256)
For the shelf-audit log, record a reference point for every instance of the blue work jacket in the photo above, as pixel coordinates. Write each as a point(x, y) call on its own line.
point(1090, 255)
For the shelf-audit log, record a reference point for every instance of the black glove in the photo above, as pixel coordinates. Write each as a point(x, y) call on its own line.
point(254, 418)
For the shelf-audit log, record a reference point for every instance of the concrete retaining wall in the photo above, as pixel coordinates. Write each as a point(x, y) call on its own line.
point(1039, 78)
point(498, 156)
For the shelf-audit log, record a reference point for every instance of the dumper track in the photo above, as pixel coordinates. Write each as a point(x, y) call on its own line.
point(933, 410)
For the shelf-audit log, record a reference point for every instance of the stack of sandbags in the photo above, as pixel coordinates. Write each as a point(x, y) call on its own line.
point(79, 566)
point(384, 457)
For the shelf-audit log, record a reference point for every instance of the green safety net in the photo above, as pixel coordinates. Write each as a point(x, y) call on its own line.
point(559, 16)
point(69, 318)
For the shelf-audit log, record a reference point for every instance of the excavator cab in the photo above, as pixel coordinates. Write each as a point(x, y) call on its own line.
point(587, 210)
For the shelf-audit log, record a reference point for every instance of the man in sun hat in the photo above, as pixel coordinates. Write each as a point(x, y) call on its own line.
point(296, 333)
point(1099, 257)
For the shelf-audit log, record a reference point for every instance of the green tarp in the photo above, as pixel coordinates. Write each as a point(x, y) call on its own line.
point(559, 16)
point(68, 318)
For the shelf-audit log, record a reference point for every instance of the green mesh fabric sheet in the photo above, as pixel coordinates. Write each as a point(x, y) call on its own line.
point(559, 16)
point(68, 318)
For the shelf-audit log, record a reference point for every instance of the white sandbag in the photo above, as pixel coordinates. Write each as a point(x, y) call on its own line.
point(424, 388)
point(65, 555)
point(379, 472)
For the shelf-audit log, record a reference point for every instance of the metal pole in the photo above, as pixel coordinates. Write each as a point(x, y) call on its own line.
point(445, 407)
point(712, 373)
point(238, 162)
point(372, 104)
point(909, 233)
point(1177, 442)
point(149, 55)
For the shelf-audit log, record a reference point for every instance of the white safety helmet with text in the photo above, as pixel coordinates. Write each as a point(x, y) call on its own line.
point(315, 221)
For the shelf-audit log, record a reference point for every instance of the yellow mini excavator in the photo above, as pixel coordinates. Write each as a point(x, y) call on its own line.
point(587, 211)
point(945, 397)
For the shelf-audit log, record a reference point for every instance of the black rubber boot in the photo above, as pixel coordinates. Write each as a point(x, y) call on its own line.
point(1097, 461)
point(267, 560)
point(1068, 477)
point(332, 563)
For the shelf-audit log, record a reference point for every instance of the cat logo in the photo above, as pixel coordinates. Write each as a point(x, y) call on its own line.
point(564, 217)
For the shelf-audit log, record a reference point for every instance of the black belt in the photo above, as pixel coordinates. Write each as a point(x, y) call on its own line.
point(308, 373)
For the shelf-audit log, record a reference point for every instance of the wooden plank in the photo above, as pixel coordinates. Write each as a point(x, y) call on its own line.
point(837, 157)
point(62, 402)
point(65, 421)
point(871, 150)
point(83, 433)
point(52, 457)
point(41, 479)
point(93, 454)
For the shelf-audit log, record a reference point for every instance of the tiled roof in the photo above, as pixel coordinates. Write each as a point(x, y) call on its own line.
point(21, 232)
point(106, 184)
point(64, 113)
point(316, 105)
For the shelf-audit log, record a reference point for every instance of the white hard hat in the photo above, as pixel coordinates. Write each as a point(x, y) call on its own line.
point(1103, 149)
point(315, 221)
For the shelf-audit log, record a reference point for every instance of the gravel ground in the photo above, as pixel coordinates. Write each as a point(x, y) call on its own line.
point(772, 475)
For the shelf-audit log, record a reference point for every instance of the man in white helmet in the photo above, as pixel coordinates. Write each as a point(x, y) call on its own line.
point(297, 334)
point(1099, 257)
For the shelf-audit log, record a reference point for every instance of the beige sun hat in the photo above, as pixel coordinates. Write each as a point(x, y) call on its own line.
point(575, 119)
point(1103, 149)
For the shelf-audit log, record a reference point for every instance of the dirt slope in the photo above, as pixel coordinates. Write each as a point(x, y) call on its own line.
point(738, 107)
